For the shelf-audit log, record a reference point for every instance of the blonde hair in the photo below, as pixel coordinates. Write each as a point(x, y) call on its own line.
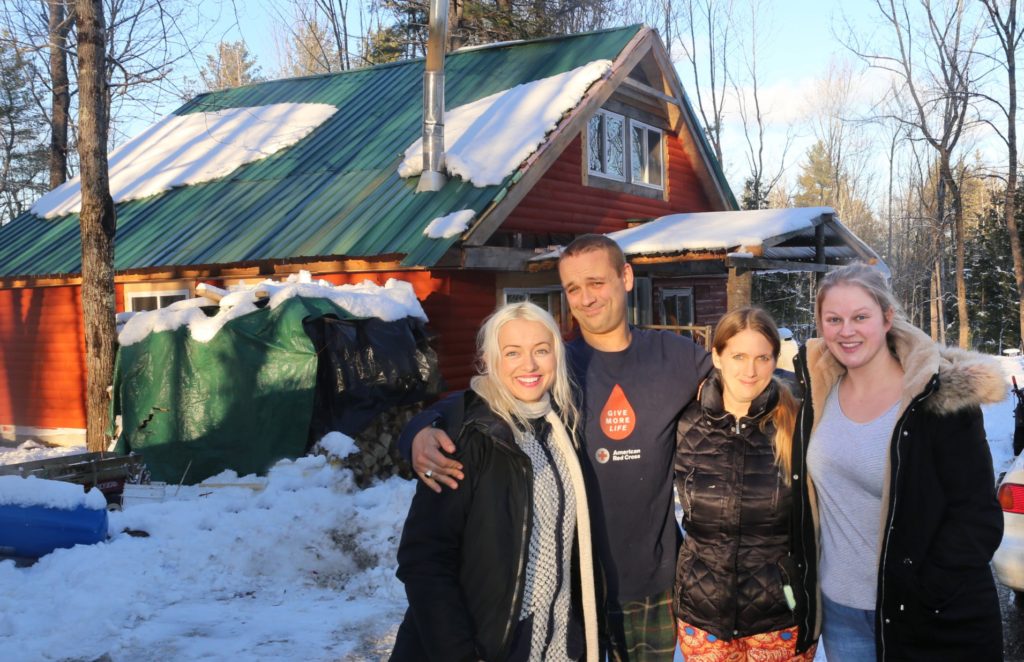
point(783, 415)
point(495, 393)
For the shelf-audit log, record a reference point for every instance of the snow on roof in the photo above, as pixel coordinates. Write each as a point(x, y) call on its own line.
point(188, 149)
point(32, 491)
point(487, 139)
point(394, 301)
point(717, 230)
point(450, 225)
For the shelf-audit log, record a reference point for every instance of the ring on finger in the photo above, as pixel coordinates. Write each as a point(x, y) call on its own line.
point(428, 473)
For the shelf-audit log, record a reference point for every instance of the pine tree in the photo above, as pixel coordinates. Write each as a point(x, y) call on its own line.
point(231, 66)
point(991, 285)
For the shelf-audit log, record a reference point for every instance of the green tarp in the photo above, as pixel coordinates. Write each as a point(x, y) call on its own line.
point(241, 401)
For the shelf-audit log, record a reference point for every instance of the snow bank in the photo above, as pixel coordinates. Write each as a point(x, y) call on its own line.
point(298, 565)
point(394, 301)
point(30, 450)
point(487, 139)
point(32, 491)
point(450, 225)
point(187, 149)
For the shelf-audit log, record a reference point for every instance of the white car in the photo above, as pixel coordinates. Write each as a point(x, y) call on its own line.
point(1009, 558)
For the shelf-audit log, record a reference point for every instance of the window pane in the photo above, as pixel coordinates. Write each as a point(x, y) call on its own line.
point(615, 142)
point(514, 297)
point(540, 299)
point(654, 168)
point(594, 144)
point(637, 154)
point(143, 303)
point(168, 299)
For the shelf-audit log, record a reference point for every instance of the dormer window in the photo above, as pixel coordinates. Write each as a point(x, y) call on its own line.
point(645, 150)
point(623, 149)
point(606, 136)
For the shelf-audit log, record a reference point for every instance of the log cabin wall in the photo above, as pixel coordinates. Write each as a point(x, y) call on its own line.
point(560, 203)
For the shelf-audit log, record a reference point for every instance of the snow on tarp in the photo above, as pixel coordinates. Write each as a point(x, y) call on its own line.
point(487, 139)
point(32, 491)
point(450, 225)
point(714, 230)
point(188, 149)
point(394, 301)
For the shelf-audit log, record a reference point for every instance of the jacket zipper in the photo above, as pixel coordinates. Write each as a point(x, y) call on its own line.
point(524, 538)
point(806, 405)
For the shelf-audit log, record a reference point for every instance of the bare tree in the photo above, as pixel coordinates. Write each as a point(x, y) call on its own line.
point(145, 40)
point(1003, 23)
point(97, 220)
point(707, 49)
point(941, 92)
point(754, 119)
point(23, 150)
point(58, 26)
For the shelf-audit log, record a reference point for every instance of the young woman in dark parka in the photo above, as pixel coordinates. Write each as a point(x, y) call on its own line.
point(501, 569)
point(735, 596)
point(902, 500)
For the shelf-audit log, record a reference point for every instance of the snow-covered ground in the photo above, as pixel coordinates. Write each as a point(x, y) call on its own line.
point(297, 565)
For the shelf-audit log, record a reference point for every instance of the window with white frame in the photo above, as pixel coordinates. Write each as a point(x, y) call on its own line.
point(645, 154)
point(140, 301)
point(606, 136)
point(548, 298)
point(624, 149)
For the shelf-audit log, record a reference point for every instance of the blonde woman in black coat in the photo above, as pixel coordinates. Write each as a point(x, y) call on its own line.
point(500, 569)
point(903, 509)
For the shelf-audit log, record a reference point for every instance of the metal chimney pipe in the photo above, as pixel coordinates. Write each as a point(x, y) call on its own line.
point(433, 177)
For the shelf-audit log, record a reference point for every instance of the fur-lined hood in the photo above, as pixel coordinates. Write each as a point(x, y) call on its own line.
point(965, 378)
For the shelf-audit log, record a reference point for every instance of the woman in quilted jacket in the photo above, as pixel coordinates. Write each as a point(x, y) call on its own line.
point(738, 594)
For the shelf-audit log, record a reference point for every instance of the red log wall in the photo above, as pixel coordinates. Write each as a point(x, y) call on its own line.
point(561, 203)
point(42, 351)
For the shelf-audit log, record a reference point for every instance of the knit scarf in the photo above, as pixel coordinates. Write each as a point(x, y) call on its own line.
point(566, 447)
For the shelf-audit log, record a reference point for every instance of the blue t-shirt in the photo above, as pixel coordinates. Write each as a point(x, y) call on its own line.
point(631, 401)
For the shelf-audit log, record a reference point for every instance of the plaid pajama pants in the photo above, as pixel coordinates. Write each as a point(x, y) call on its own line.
point(641, 630)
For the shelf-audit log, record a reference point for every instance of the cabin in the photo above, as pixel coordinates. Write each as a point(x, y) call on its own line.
point(543, 140)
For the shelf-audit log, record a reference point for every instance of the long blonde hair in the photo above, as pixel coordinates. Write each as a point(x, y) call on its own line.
point(783, 416)
point(495, 393)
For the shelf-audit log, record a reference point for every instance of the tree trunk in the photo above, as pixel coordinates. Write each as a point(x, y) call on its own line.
point(61, 96)
point(97, 222)
point(1010, 206)
point(956, 206)
point(963, 321)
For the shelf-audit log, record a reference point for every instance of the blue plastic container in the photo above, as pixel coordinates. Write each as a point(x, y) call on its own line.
point(34, 531)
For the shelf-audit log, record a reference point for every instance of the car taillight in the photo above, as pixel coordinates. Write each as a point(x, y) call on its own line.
point(1011, 498)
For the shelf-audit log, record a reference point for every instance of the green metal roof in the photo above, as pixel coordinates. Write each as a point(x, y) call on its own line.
point(335, 193)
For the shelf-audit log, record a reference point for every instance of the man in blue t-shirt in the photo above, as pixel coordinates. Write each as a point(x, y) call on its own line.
point(634, 384)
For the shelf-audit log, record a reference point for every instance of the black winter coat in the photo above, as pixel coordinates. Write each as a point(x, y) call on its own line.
point(734, 561)
point(941, 522)
point(463, 552)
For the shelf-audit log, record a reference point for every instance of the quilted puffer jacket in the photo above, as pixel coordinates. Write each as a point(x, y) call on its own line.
point(734, 561)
